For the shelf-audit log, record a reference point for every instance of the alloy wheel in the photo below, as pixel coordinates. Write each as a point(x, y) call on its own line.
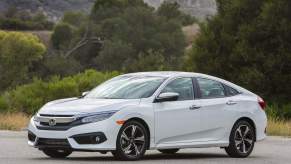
point(244, 139)
point(132, 141)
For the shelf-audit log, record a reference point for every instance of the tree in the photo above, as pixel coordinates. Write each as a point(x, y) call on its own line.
point(171, 10)
point(151, 61)
point(17, 53)
point(74, 18)
point(131, 28)
point(114, 56)
point(103, 9)
point(117, 33)
point(62, 36)
point(248, 42)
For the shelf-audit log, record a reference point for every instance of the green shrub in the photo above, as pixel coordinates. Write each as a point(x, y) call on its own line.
point(56, 64)
point(18, 52)
point(3, 104)
point(29, 98)
point(62, 36)
point(279, 112)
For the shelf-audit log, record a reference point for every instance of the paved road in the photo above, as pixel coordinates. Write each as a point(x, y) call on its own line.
point(14, 150)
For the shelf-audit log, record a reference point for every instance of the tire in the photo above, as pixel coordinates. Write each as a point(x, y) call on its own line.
point(113, 153)
point(132, 141)
point(54, 153)
point(242, 140)
point(168, 151)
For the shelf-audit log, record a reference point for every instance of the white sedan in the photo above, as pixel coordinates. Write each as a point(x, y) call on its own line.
point(167, 111)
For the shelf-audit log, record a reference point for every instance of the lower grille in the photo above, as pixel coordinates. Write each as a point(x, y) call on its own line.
point(46, 142)
point(90, 138)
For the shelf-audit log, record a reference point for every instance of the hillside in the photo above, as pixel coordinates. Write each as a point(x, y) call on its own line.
point(54, 9)
point(200, 9)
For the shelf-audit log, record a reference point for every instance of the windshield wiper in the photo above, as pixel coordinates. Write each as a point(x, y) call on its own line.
point(107, 98)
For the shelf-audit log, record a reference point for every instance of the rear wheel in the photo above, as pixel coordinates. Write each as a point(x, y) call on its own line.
point(57, 153)
point(132, 141)
point(242, 140)
point(168, 151)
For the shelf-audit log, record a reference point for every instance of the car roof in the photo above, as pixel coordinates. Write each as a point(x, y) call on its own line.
point(172, 74)
point(161, 73)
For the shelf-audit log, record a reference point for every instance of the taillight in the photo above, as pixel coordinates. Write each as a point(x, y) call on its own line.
point(262, 103)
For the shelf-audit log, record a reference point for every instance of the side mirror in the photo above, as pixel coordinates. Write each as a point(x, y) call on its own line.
point(85, 93)
point(168, 96)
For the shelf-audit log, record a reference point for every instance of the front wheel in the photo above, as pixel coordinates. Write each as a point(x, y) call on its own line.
point(57, 153)
point(242, 140)
point(132, 141)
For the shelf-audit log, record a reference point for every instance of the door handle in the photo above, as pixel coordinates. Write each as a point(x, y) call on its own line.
point(194, 107)
point(231, 102)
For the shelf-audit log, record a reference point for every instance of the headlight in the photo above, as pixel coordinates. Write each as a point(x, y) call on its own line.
point(98, 117)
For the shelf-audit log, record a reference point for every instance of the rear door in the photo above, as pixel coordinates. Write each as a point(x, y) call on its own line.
point(214, 109)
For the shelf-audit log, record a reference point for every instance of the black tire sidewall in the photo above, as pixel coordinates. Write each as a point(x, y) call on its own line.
point(231, 149)
point(54, 153)
point(168, 151)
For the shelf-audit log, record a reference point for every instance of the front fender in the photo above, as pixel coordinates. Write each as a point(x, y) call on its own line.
point(144, 113)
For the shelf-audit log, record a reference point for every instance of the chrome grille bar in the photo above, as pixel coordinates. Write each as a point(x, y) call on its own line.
point(57, 119)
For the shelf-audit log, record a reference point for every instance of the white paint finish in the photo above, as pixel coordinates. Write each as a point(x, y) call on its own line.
point(214, 118)
point(175, 122)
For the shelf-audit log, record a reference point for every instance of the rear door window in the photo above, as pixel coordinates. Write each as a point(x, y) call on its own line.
point(210, 88)
point(231, 91)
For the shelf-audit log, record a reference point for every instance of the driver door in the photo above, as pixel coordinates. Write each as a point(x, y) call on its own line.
point(177, 121)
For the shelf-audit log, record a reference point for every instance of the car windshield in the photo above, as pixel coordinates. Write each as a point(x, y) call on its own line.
point(127, 87)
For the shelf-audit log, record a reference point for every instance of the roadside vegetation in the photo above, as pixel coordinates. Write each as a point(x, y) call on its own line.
point(30, 97)
point(277, 127)
point(13, 121)
point(247, 43)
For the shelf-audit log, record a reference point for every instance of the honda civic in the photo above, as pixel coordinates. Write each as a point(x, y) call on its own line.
point(164, 111)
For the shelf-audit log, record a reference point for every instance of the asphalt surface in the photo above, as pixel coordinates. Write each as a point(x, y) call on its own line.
point(14, 150)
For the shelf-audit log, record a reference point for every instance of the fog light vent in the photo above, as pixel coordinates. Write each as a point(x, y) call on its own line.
point(90, 138)
point(31, 136)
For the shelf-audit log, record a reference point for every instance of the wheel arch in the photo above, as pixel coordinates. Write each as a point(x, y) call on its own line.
point(250, 121)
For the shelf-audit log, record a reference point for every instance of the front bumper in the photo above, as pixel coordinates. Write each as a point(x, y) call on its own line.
point(107, 131)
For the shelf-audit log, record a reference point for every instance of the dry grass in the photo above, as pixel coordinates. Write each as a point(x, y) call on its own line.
point(279, 128)
point(15, 121)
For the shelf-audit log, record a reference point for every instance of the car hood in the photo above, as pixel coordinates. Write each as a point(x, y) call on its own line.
point(74, 106)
